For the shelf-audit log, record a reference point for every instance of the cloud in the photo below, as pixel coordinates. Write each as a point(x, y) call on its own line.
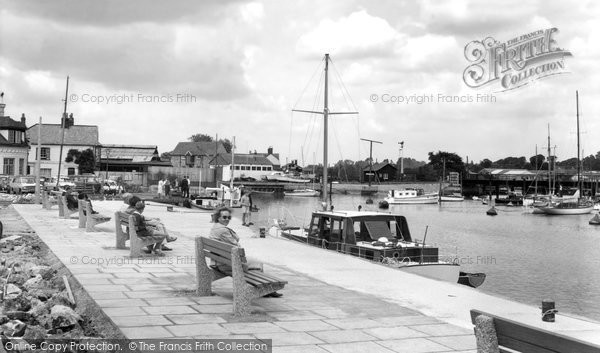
point(359, 35)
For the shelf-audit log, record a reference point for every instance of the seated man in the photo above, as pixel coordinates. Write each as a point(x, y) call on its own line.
point(222, 233)
point(153, 223)
point(144, 230)
point(72, 203)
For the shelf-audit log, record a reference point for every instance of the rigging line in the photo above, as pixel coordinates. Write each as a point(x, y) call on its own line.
point(339, 149)
point(343, 86)
point(309, 81)
point(314, 116)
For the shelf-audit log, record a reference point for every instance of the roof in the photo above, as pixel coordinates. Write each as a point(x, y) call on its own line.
point(198, 148)
point(85, 135)
point(494, 171)
point(7, 123)
point(378, 166)
point(133, 153)
point(354, 214)
point(247, 159)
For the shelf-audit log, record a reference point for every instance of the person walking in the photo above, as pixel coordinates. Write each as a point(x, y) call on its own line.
point(185, 187)
point(245, 202)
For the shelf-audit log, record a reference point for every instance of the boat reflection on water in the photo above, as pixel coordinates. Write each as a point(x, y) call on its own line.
point(380, 237)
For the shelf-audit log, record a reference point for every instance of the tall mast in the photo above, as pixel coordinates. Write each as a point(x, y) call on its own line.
point(325, 133)
point(578, 148)
point(62, 138)
point(232, 168)
point(549, 160)
point(326, 114)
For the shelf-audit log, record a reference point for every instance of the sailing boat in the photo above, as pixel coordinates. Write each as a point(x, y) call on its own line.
point(574, 205)
point(379, 237)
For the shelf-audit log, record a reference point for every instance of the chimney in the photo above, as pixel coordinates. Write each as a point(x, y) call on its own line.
point(2, 105)
point(23, 118)
point(270, 150)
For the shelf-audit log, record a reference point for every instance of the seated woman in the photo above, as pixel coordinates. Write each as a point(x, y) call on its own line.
point(85, 197)
point(153, 223)
point(144, 230)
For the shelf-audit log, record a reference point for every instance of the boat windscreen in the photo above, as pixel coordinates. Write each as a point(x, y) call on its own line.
point(378, 230)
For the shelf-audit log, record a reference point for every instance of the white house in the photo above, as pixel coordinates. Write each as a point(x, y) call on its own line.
point(13, 145)
point(245, 166)
point(78, 137)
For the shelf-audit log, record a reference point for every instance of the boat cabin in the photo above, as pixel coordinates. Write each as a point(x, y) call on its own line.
point(371, 235)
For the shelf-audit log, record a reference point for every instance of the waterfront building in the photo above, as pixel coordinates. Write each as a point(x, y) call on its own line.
point(77, 137)
point(252, 165)
point(14, 148)
point(382, 172)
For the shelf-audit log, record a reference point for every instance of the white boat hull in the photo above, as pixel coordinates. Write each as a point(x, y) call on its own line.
point(302, 193)
point(452, 198)
point(441, 271)
point(411, 200)
point(566, 211)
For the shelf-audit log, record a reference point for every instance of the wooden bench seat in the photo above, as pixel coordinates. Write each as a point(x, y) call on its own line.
point(248, 284)
point(496, 334)
point(63, 209)
point(87, 219)
point(136, 243)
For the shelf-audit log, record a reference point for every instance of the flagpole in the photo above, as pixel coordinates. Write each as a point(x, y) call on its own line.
point(62, 138)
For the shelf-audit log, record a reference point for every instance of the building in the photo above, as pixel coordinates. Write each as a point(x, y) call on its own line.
point(245, 166)
point(195, 154)
point(78, 137)
point(14, 148)
point(129, 158)
point(382, 172)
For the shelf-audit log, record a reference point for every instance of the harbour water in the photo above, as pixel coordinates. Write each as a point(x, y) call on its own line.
point(527, 258)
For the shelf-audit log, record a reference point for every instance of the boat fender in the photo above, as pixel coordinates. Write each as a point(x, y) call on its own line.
point(396, 255)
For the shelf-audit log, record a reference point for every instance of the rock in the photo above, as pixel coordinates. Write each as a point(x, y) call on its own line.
point(19, 315)
point(14, 328)
point(34, 333)
point(45, 271)
point(31, 283)
point(64, 318)
point(3, 319)
point(43, 294)
point(12, 291)
point(10, 238)
point(60, 298)
point(20, 303)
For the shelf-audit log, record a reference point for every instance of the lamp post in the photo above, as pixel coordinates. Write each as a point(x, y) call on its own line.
point(401, 143)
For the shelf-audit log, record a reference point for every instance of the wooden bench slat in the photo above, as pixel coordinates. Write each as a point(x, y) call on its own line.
point(266, 278)
point(525, 338)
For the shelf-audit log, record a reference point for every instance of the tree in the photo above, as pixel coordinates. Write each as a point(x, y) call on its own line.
point(200, 138)
point(452, 162)
point(486, 163)
point(85, 160)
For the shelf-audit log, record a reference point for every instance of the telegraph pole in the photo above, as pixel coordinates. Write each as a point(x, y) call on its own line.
point(371, 157)
point(401, 143)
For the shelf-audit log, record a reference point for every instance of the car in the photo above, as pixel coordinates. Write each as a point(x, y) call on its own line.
point(86, 183)
point(50, 183)
point(22, 184)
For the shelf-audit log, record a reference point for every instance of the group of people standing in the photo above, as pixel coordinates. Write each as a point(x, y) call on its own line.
point(166, 186)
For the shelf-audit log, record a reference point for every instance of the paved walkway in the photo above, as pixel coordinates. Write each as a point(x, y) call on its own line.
point(333, 303)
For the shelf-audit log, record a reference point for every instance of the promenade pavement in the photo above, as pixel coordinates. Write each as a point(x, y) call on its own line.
point(332, 303)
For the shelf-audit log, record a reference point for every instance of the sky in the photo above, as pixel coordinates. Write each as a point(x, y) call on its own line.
point(155, 73)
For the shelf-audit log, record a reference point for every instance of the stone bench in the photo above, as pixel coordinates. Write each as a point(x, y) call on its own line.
point(136, 243)
point(496, 334)
point(247, 284)
point(63, 209)
point(87, 219)
point(50, 199)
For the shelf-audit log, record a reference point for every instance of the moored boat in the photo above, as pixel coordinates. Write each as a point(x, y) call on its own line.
point(302, 193)
point(380, 237)
point(411, 196)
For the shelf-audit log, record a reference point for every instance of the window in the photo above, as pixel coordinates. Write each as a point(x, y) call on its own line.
point(253, 167)
point(9, 166)
point(14, 136)
point(46, 172)
point(237, 167)
point(45, 153)
point(71, 171)
point(21, 166)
